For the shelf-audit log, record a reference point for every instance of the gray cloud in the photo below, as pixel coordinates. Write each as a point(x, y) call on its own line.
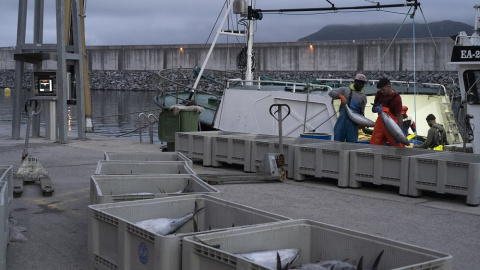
point(143, 22)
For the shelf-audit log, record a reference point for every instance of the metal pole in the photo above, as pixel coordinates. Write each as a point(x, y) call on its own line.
point(61, 116)
point(248, 71)
point(18, 95)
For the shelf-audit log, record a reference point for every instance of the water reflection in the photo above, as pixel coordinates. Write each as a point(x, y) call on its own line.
point(114, 113)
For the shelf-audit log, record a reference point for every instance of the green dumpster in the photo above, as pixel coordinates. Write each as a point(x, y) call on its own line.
point(182, 119)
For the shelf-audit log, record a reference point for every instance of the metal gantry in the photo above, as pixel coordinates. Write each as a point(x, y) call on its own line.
point(69, 55)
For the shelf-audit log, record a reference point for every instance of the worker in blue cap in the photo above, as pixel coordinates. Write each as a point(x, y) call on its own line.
point(345, 130)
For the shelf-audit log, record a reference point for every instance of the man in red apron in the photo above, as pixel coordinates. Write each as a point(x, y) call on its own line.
point(389, 101)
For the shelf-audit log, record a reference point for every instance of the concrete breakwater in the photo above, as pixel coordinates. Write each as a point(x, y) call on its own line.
point(150, 81)
point(135, 67)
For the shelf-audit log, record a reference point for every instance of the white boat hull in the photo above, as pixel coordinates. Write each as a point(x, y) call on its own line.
point(248, 111)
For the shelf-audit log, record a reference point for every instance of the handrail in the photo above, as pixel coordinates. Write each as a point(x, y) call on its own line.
point(140, 125)
point(149, 123)
point(150, 126)
point(294, 84)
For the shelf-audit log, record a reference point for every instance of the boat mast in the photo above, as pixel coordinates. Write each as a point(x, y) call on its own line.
point(248, 71)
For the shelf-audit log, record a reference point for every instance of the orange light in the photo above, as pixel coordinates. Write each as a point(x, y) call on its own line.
point(311, 47)
point(181, 49)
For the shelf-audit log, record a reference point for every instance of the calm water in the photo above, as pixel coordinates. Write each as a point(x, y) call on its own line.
point(114, 113)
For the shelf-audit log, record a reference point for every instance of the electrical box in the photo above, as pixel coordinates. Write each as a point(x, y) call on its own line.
point(45, 85)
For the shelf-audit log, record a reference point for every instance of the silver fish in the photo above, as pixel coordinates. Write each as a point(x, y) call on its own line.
point(188, 188)
point(329, 265)
point(338, 265)
point(393, 128)
point(268, 258)
point(358, 118)
point(166, 226)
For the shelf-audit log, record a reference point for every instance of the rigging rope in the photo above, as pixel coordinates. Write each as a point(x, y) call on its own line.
point(213, 28)
point(391, 43)
point(433, 40)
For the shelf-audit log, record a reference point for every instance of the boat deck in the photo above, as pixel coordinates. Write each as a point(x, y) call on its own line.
point(57, 226)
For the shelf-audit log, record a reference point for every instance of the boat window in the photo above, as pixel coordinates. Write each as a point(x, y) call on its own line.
point(471, 79)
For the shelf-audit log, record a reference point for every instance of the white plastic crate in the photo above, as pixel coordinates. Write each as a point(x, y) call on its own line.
point(4, 230)
point(446, 173)
point(328, 159)
point(234, 149)
point(142, 167)
point(115, 242)
point(316, 241)
point(6, 174)
point(148, 156)
point(197, 144)
point(120, 188)
point(260, 147)
point(382, 166)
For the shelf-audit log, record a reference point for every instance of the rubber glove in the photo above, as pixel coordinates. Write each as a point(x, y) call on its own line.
point(343, 99)
point(377, 109)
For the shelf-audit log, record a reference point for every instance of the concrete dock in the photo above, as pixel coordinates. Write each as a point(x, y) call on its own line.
point(57, 226)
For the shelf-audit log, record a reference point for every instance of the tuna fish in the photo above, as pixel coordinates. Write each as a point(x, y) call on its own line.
point(277, 259)
point(166, 226)
point(358, 118)
point(393, 128)
point(338, 265)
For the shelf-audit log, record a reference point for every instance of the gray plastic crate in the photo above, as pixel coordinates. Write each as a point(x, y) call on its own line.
point(120, 167)
point(316, 241)
point(148, 156)
point(115, 242)
point(120, 188)
point(446, 173)
point(6, 174)
point(260, 147)
point(4, 229)
point(328, 159)
point(198, 144)
point(382, 166)
point(234, 149)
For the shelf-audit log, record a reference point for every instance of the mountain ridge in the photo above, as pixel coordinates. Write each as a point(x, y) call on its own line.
point(444, 28)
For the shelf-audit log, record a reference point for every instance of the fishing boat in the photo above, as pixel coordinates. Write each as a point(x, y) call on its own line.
point(240, 103)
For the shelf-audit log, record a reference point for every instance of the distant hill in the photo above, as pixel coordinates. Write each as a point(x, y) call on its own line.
point(387, 31)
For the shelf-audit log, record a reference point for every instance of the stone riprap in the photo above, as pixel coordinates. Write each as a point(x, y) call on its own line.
point(151, 81)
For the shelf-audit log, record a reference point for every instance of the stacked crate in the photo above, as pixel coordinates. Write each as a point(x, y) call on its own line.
point(315, 241)
point(446, 173)
point(222, 229)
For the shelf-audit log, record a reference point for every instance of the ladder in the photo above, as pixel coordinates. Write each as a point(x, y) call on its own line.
point(451, 127)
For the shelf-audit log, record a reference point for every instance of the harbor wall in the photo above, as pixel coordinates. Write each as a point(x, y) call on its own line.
point(352, 55)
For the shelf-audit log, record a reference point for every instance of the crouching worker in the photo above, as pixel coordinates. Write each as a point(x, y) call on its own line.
point(390, 102)
point(436, 137)
point(345, 130)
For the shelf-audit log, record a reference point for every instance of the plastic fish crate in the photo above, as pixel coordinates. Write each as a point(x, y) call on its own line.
point(263, 146)
point(198, 144)
point(234, 149)
point(123, 167)
point(316, 241)
point(382, 166)
point(446, 173)
point(328, 159)
point(6, 174)
point(115, 242)
point(148, 156)
point(4, 229)
point(120, 188)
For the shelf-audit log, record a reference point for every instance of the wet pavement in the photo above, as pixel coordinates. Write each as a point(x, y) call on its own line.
point(57, 225)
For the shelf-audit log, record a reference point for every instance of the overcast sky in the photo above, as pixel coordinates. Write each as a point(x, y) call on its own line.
point(145, 22)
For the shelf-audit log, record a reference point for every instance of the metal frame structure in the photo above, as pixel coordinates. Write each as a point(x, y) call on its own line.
point(68, 16)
